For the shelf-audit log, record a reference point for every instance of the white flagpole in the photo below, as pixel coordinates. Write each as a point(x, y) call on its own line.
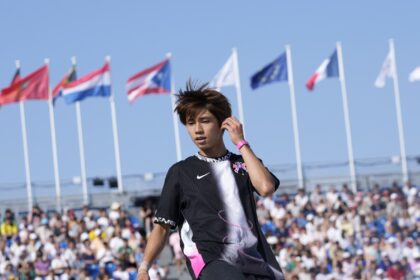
point(115, 133)
point(346, 118)
point(399, 114)
point(299, 167)
point(54, 148)
point(175, 116)
point(25, 150)
point(81, 147)
point(238, 88)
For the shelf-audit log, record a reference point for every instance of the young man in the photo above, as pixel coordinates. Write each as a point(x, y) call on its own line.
point(210, 197)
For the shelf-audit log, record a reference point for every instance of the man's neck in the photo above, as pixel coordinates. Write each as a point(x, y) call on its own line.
point(214, 152)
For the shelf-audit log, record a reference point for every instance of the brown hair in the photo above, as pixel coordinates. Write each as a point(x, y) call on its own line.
point(197, 97)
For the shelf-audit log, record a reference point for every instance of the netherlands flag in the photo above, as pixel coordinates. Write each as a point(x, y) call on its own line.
point(327, 69)
point(96, 83)
point(155, 79)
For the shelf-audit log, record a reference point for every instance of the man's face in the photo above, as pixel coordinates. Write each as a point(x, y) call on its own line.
point(204, 130)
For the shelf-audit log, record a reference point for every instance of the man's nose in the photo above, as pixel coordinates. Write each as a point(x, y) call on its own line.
point(198, 128)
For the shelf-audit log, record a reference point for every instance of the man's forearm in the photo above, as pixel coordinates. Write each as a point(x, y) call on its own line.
point(156, 242)
point(261, 179)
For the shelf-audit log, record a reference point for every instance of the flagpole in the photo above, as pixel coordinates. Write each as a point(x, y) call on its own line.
point(54, 148)
point(404, 166)
point(115, 133)
point(174, 116)
point(290, 79)
point(81, 146)
point(238, 88)
point(346, 118)
point(25, 150)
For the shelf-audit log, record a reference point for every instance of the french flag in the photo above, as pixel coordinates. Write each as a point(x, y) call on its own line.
point(327, 69)
point(155, 79)
point(96, 83)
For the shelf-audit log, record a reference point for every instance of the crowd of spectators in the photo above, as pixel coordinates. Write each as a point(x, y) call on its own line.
point(331, 234)
point(339, 234)
point(79, 244)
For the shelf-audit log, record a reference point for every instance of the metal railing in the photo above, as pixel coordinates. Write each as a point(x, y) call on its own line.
point(14, 196)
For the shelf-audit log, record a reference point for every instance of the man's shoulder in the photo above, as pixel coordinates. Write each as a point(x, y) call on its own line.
point(183, 163)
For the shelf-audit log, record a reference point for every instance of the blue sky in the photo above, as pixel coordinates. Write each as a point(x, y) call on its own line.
point(200, 35)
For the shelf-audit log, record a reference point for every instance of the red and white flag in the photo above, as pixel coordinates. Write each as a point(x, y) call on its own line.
point(155, 79)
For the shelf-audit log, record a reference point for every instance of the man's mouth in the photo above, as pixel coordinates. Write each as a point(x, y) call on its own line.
point(200, 140)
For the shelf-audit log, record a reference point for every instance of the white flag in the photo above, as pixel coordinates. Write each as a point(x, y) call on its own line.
point(387, 71)
point(226, 76)
point(415, 75)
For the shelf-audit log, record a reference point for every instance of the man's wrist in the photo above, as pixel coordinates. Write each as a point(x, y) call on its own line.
point(144, 266)
point(241, 143)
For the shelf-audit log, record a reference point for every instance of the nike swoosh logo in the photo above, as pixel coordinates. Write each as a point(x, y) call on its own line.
point(202, 176)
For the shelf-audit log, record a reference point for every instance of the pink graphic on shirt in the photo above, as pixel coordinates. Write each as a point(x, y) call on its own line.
point(197, 263)
point(190, 249)
point(239, 167)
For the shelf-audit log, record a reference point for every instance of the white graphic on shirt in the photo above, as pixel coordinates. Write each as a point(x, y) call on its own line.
point(202, 176)
point(190, 249)
point(240, 242)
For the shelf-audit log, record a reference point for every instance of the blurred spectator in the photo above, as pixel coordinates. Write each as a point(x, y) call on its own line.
point(157, 272)
point(175, 242)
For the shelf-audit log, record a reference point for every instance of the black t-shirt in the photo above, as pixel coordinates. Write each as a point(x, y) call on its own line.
point(212, 203)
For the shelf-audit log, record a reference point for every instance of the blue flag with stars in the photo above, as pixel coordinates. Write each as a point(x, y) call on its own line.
point(276, 71)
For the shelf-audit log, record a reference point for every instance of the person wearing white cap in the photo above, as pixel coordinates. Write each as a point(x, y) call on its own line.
point(409, 249)
point(394, 250)
point(379, 274)
point(114, 214)
point(103, 220)
point(393, 207)
point(116, 241)
point(84, 236)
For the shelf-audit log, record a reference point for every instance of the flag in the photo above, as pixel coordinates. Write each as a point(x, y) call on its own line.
point(35, 86)
point(96, 83)
point(327, 69)
point(155, 79)
point(16, 76)
point(415, 75)
point(226, 75)
point(276, 71)
point(58, 89)
point(387, 71)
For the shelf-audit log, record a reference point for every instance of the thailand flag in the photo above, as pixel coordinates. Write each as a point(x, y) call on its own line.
point(97, 83)
point(327, 69)
point(155, 79)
